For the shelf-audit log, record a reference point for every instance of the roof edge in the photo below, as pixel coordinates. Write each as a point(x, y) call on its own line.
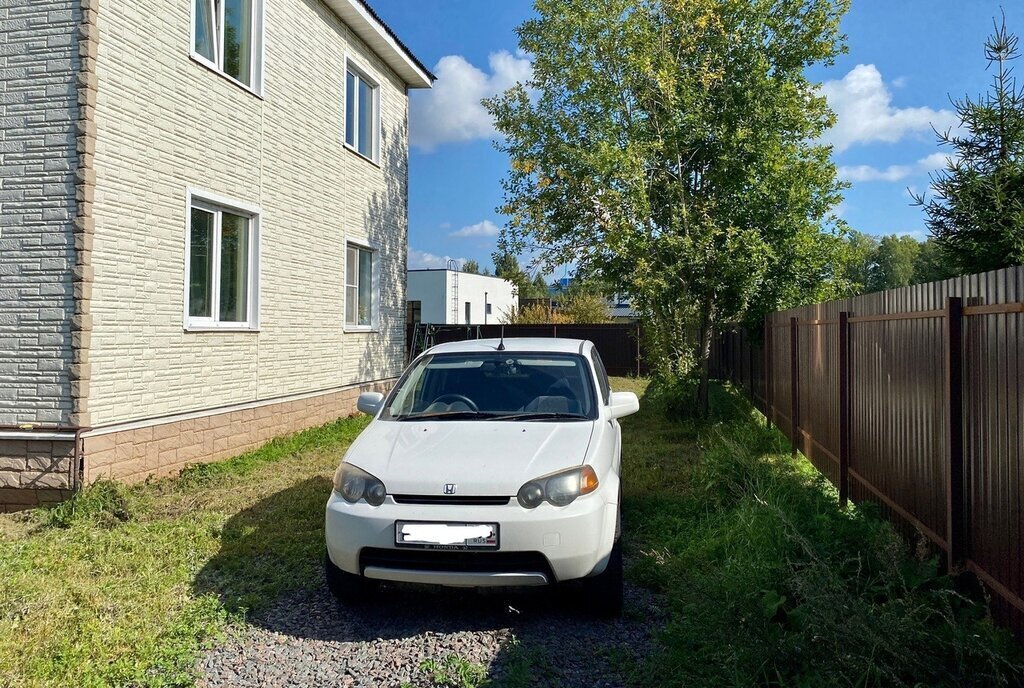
point(382, 39)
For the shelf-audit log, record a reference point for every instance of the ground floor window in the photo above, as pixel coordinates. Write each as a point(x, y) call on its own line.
point(414, 312)
point(360, 287)
point(221, 266)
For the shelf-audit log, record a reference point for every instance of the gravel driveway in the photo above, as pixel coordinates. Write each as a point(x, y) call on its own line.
point(535, 639)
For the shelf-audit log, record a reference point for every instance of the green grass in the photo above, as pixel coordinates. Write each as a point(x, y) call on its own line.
point(454, 671)
point(768, 582)
point(765, 580)
point(123, 585)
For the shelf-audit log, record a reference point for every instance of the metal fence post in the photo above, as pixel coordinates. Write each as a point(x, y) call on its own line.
point(844, 408)
point(794, 374)
point(956, 497)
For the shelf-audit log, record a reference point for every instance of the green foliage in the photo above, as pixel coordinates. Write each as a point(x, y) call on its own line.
point(894, 263)
point(454, 672)
point(931, 264)
point(582, 303)
point(868, 264)
point(856, 262)
point(669, 150)
point(471, 266)
point(584, 307)
point(104, 503)
point(977, 213)
point(768, 582)
point(533, 314)
point(506, 266)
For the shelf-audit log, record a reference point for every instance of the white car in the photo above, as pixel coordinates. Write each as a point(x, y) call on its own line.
point(491, 463)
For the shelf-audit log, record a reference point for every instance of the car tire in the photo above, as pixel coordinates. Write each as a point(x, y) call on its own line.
point(603, 592)
point(347, 588)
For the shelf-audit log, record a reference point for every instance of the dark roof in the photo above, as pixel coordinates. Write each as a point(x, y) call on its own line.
point(398, 40)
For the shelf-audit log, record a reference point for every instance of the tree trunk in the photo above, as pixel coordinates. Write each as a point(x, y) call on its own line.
point(704, 336)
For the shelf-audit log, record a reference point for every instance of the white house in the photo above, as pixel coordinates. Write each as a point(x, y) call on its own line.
point(450, 297)
point(203, 229)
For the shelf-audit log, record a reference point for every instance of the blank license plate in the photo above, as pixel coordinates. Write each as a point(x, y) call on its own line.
point(450, 536)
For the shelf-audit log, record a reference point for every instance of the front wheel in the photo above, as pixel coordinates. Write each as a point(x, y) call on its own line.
point(347, 588)
point(604, 591)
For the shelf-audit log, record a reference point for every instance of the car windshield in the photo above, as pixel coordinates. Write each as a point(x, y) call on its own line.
point(494, 386)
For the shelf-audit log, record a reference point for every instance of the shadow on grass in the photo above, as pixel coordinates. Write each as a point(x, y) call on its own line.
point(270, 570)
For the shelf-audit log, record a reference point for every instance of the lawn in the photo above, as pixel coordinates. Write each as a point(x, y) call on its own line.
point(766, 581)
point(123, 585)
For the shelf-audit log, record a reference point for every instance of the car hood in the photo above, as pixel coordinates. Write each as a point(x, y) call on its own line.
point(481, 458)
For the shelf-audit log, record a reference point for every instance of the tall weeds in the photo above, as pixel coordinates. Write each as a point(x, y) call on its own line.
point(771, 583)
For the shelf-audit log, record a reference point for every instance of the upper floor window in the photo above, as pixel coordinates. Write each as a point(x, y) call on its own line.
point(226, 35)
point(221, 266)
point(360, 287)
point(362, 113)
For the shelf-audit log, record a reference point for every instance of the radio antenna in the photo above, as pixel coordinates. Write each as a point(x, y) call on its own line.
point(501, 344)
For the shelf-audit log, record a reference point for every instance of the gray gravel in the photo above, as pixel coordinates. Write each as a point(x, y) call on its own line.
point(536, 639)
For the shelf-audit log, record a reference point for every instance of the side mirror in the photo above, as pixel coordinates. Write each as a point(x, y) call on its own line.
point(370, 402)
point(623, 404)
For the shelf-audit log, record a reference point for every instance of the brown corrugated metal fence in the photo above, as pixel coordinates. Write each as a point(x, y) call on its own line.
point(909, 398)
point(619, 344)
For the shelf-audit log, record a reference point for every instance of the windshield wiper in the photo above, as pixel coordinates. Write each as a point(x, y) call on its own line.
point(448, 415)
point(541, 415)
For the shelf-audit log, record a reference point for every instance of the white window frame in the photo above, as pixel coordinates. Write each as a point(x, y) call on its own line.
point(354, 67)
point(215, 203)
point(374, 287)
point(217, 65)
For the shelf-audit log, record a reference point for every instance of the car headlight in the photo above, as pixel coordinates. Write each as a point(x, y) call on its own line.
point(353, 484)
point(559, 489)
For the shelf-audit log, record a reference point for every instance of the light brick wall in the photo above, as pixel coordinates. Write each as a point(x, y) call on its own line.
point(166, 123)
point(38, 109)
point(165, 449)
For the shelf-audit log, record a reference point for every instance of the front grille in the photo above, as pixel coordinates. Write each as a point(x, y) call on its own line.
point(450, 499)
point(457, 561)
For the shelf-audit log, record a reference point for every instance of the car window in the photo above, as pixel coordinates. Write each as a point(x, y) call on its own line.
point(499, 385)
point(602, 376)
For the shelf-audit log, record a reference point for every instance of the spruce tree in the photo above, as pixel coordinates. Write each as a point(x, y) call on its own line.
point(977, 212)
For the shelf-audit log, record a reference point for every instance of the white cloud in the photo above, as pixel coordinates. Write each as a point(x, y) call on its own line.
point(480, 229)
point(867, 173)
point(935, 161)
point(419, 260)
point(892, 173)
point(865, 113)
point(451, 111)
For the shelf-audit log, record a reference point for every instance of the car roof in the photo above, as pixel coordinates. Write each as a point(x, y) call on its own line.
point(515, 344)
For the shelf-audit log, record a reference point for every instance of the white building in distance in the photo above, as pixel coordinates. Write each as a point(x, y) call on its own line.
point(451, 297)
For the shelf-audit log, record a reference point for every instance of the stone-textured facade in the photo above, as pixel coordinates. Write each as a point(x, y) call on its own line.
point(39, 54)
point(132, 454)
point(143, 125)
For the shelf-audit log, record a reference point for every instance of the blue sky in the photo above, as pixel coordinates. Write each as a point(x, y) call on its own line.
point(906, 58)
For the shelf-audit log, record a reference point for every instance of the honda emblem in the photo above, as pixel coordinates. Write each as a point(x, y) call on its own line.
point(449, 488)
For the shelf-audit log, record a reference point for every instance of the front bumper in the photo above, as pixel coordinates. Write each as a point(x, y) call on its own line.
point(575, 540)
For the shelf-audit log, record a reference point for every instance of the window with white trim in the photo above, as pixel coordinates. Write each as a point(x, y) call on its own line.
point(362, 113)
point(227, 36)
point(360, 287)
point(221, 267)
